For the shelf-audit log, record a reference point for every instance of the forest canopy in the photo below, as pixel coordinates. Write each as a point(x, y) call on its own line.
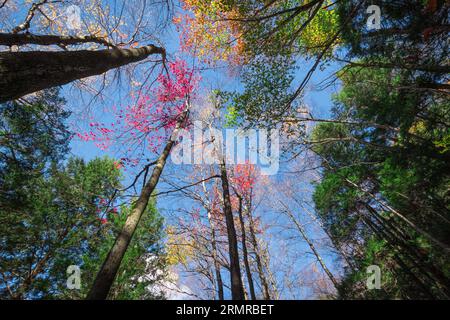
point(221, 149)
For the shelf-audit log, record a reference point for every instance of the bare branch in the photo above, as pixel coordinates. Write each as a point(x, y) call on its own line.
point(185, 187)
point(26, 24)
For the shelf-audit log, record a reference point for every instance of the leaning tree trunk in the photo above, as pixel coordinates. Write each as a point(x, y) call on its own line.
point(26, 72)
point(417, 257)
point(405, 268)
point(108, 271)
point(416, 227)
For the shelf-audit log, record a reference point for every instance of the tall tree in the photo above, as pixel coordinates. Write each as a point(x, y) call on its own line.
point(22, 73)
point(383, 178)
point(143, 268)
point(176, 91)
point(58, 42)
point(49, 208)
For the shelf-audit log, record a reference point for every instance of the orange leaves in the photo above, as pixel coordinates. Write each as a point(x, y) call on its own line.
point(179, 248)
point(207, 31)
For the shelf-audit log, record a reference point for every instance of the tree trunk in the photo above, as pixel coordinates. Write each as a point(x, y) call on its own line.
point(429, 271)
point(237, 290)
point(381, 234)
point(313, 249)
point(215, 258)
point(245, 252)
point(212, 227)
point(25, 72)
point(259, 264)
point(401, 216)
point(108, 271)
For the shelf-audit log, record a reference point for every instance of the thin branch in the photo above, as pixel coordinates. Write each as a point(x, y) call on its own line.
point(297, 10)
point(3, 4)
point(185, 187)
point(26, 24)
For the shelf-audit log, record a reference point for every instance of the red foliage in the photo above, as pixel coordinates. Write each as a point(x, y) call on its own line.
point(244, 179)
point(152, 119)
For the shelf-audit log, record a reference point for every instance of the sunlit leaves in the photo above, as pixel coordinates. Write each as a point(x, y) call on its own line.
point(236, 31)
point(207, 31)
point(179, 247)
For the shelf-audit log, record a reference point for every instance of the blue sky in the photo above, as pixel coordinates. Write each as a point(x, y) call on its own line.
point(319, 102)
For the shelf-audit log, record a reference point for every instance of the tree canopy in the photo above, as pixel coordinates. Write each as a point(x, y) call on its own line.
point(221, 149)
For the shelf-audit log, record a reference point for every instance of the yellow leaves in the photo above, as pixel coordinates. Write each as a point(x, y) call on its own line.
point(176, 20)
point(179, 249)
point(320, 29)
point(443, 144)
point(213, 32)
point(418, 128)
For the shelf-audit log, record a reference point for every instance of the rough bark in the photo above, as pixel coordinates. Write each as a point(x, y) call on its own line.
point(23, 73)
point(108, 271)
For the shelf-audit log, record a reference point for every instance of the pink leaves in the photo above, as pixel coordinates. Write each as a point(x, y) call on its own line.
point(244, 178)
point(179, 86)
point(151, 119)
point(158, 112)
point(99, 133)
point(104, 209)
